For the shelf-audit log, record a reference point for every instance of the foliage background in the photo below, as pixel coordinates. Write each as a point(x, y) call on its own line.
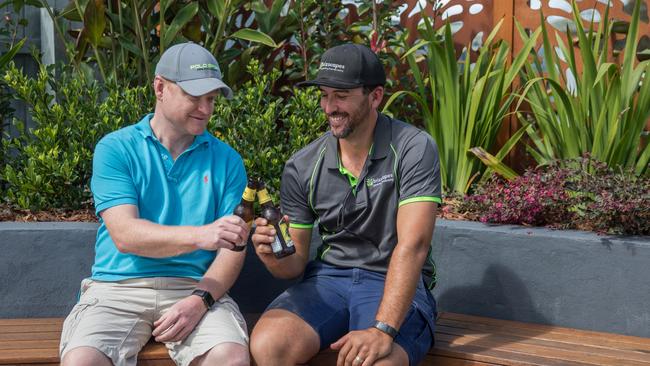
point(461, 97)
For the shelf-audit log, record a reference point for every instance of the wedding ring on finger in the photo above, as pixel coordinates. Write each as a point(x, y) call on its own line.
point(358, 360)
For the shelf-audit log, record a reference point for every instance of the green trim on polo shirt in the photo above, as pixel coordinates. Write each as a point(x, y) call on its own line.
point(395, 167)
point(420, 199)
point(352, 179)
point(311, 180)
point(327, 249)
point(300, 226)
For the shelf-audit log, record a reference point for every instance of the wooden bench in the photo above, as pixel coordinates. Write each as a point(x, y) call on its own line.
point(460, 340)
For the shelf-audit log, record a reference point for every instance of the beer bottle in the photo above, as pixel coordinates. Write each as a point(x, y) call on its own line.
point(245, 209)
point(282, 245)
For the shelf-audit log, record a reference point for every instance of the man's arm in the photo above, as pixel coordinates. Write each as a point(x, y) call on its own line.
point(287, 267)
point(134, 235)
point(415, 223)
point(181, 319)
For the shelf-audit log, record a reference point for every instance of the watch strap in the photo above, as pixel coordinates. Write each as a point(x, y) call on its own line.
point(392, 332)
point(206, 296)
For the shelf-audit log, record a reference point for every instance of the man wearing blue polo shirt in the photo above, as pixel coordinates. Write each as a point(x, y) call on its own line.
point(373, 185)
point(164, 190)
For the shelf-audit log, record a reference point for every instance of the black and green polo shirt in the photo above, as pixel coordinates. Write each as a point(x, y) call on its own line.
point(357, 215)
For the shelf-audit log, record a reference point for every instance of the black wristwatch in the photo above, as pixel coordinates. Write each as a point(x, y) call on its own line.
point(206, 296)
point(392, 332)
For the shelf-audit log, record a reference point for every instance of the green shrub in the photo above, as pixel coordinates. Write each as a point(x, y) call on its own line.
point(49, 165)
point(51, 162)
point(267, 129)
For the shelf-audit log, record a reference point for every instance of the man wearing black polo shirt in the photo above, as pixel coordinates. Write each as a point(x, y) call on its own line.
point(372, 184)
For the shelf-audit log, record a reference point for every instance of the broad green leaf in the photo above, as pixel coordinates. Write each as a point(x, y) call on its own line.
point(254, 36)
point(95, 21)
point(9, 55)
point(217, 8)
point(180, 20)
point(70, 12)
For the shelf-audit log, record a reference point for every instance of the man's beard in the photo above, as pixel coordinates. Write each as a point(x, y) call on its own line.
point(354, 120)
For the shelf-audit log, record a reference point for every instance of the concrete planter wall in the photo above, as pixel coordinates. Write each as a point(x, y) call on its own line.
point(566, 278)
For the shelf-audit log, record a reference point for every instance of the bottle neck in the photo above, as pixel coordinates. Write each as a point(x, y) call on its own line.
point(249, 194)
point(264, 197)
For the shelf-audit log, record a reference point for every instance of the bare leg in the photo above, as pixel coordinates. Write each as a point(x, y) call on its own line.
point(282, 338)
point(85, 356)
point(226, 354)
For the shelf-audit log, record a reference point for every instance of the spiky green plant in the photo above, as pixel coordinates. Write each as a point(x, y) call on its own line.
point(464, 103)
point(607, 111)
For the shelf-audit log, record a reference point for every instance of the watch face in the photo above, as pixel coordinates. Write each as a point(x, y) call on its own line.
point(205, 296)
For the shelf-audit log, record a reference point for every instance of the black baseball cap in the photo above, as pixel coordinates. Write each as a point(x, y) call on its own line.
point(348, 66)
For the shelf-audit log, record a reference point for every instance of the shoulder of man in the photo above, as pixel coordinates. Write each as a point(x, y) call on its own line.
point(405, 134)
point(125, 135)
point(220, 147)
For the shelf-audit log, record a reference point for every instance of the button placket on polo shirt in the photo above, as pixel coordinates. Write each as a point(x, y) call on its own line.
point(174, 172)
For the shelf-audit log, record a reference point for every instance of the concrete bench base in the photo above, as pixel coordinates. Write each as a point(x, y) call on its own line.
point(460, 340)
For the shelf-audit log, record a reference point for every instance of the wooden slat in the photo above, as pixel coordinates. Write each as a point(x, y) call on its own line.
point(539, 330)
point(31, 328)
point(553, 346)
point(30, 321)
point(30, 344)
point(19, 356)
point(153, 350)
point(450, 361)
point(547, 350)
point(497, 355)
point(5, 337)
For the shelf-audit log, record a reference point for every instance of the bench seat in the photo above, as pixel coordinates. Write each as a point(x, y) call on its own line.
point(460, 340)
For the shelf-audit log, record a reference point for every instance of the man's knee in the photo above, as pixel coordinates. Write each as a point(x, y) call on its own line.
point(266, 343)
point(397, 357)
point(81, 356)
point(227, 354)
point(281, 338)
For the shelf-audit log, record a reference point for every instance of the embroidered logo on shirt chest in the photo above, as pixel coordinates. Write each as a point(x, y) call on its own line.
point(374, 182)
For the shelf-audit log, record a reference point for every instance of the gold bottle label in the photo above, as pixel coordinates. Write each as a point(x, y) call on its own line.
point(284, 231)
point(263, 196)
point(249, 194)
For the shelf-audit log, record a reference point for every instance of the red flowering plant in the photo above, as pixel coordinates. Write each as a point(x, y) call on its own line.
point(574, 194)
point(536, 198)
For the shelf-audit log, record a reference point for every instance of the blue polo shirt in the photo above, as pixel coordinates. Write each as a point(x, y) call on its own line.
point(130, 166)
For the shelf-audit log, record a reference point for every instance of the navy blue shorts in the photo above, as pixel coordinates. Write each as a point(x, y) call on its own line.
point(335, 301)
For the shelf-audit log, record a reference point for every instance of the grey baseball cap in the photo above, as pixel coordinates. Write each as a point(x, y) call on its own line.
point(193, 68)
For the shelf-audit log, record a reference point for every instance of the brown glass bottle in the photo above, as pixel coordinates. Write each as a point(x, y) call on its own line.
point(245, 209)
point(282, 245)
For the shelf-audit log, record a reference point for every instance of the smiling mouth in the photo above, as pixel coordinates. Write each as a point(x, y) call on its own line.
point(337, 120)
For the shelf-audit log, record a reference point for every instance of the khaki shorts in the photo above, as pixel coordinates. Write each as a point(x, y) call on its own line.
point(117, 319)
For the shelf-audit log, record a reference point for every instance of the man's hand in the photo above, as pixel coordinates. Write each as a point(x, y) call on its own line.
point(179, 321)
point(362, 347)
point(263, 236)
point(226, 232)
